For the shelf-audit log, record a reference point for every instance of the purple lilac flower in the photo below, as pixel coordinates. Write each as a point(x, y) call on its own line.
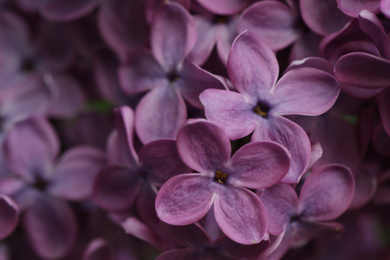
point(33, 81)
point(40, 184)
point(261, 102)
point(221, 183)
point(325, 195)
point(162, 111)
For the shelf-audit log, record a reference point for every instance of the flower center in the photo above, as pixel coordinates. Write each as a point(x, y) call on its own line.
point(261, 110)
point(220, 177)
point(40, 183)
point(172, 76)
point(221, 19)
point(28, 65)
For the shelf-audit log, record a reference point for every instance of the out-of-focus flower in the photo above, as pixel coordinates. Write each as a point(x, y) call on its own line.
point(162, 111)
point(40, 184)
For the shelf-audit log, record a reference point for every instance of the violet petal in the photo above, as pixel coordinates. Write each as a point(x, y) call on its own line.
point(320, 195)
point(259, 165)
point(115, 188)
point(31, 146)
point(363, 70)
point(293, 137)
point(203, 146)
point(241, 215)
point(75, 174)
point(252, 66)
point(185, 199)
point(304, 91)
point(160, 114)
point(281, 203)
point(230, 110)
point(173, 35)
point(161, 161)
point(271, 21)
point(51, 227)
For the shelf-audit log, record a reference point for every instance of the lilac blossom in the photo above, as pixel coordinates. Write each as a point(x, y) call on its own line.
point(221, 183)
point(261, 102)
point(162, 111)
point(299, 219)
point(33, 78)
point(41, 184)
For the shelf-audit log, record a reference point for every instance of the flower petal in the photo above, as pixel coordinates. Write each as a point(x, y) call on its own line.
point(193, 80)
point(66, 96)
point(316, 14)
point(252, 66)
point(31, 146)
point(363, 70)
point(160, 114)
point(98, 249)
point(123, 25)
point(51, 227)
point(271, 21)
point(259, 165)
point(161, 161)
point(320, 195)
point(205, 41)
point(115, 188)
point(184, 199)
point(173, 35)
point(291, 136)
point(281, 203)
point(371, 25)
point(9, 216)
point(120, 145)
point(304, 91)
point(352, 8)
point(241, 215)
point(75, 174)
point(203, 146)
point(141, 72)
point(230, 110)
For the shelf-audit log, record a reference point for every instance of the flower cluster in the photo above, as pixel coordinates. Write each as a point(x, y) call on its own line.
point(194, 129)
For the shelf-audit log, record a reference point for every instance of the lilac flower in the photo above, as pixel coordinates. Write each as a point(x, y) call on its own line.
point(9, 216)
point(40, 184)
point(33, 81)
point(261, 102)
point(325, 195)
point(162, 111)
point(222, 182)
